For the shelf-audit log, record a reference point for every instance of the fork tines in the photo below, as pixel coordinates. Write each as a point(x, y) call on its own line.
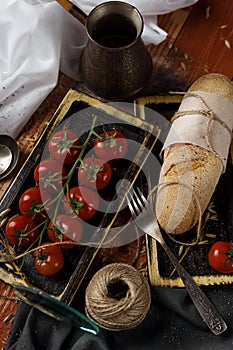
point(136, 202)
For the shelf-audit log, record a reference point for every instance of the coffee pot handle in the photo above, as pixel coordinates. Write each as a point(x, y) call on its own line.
point(73, 10)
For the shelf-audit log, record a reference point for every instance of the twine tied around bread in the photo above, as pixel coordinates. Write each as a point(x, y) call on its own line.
point(152, 200)
point(208, 113)
point(117, 297)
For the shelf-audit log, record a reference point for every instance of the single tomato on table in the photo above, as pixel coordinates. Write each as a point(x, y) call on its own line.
point(220, 257)
point(111, 145)
point(82, 202)
point(65, 229)
point(94, 173)
point(64, 146)
point(21, 231)
point(31, 204)
point(48, 260)
point(48, 175)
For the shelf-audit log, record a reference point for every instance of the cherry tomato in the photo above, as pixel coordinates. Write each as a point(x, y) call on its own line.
point(65, 229)
point(82, 202)
point(94, 173)
point(21, 231)
point(31, 205)
point(111, 145)
point(48, 174)
point(64, 146)
point(220, 257)
point(48, 260)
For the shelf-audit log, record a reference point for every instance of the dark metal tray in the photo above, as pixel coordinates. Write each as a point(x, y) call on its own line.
point(78, 260)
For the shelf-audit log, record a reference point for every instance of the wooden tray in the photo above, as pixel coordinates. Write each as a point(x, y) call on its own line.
point(218, 219)
point(64, 285)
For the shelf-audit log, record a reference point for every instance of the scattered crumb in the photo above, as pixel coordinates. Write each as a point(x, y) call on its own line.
point(227, 44)
point(183, 65)
point(207, 12)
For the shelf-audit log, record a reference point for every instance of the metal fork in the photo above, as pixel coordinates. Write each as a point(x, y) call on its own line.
point(146, 220)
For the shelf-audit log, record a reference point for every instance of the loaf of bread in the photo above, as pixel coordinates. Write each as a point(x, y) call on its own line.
point(190, 172)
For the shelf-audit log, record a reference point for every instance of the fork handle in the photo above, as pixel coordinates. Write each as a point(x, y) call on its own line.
point(206, 309)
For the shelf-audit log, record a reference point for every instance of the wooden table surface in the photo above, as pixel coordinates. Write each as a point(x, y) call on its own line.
point(199, 41)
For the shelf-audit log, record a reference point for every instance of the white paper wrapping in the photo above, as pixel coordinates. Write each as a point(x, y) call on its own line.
point(38, 37)
point(197, 129)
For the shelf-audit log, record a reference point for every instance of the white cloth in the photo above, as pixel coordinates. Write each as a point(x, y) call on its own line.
point(38, 37)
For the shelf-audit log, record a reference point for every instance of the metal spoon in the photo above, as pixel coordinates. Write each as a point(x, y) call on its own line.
point(9, 154)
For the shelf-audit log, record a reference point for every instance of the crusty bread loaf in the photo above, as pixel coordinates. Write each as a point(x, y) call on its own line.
point(192, 171)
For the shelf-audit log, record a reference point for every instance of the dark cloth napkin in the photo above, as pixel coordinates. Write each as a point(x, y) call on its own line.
point(172, 323)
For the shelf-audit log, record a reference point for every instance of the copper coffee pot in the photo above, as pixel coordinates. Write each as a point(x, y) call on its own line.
point(115, 63)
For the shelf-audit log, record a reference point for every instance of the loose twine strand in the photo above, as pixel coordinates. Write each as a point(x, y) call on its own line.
point(114, 313)
point(197, 201)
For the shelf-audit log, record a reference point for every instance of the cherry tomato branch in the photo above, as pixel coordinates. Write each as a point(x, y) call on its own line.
point(30, 234)
point(97, 135)
point(40, 217)
point(69, 176)
point(83, 149)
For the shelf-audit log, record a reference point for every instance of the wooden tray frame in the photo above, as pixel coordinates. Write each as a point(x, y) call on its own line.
point(71, 96)
point(151, 245)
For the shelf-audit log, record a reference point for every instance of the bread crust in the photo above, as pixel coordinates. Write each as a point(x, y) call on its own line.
point(190, 173)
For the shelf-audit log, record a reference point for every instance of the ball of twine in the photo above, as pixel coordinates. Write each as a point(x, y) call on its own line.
point(117, 297)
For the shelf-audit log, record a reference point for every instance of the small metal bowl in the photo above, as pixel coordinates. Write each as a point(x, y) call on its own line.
point(9, 155)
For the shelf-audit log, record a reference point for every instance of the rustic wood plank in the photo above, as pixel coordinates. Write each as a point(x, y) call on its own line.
point(203, 39)
point(8, 307)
